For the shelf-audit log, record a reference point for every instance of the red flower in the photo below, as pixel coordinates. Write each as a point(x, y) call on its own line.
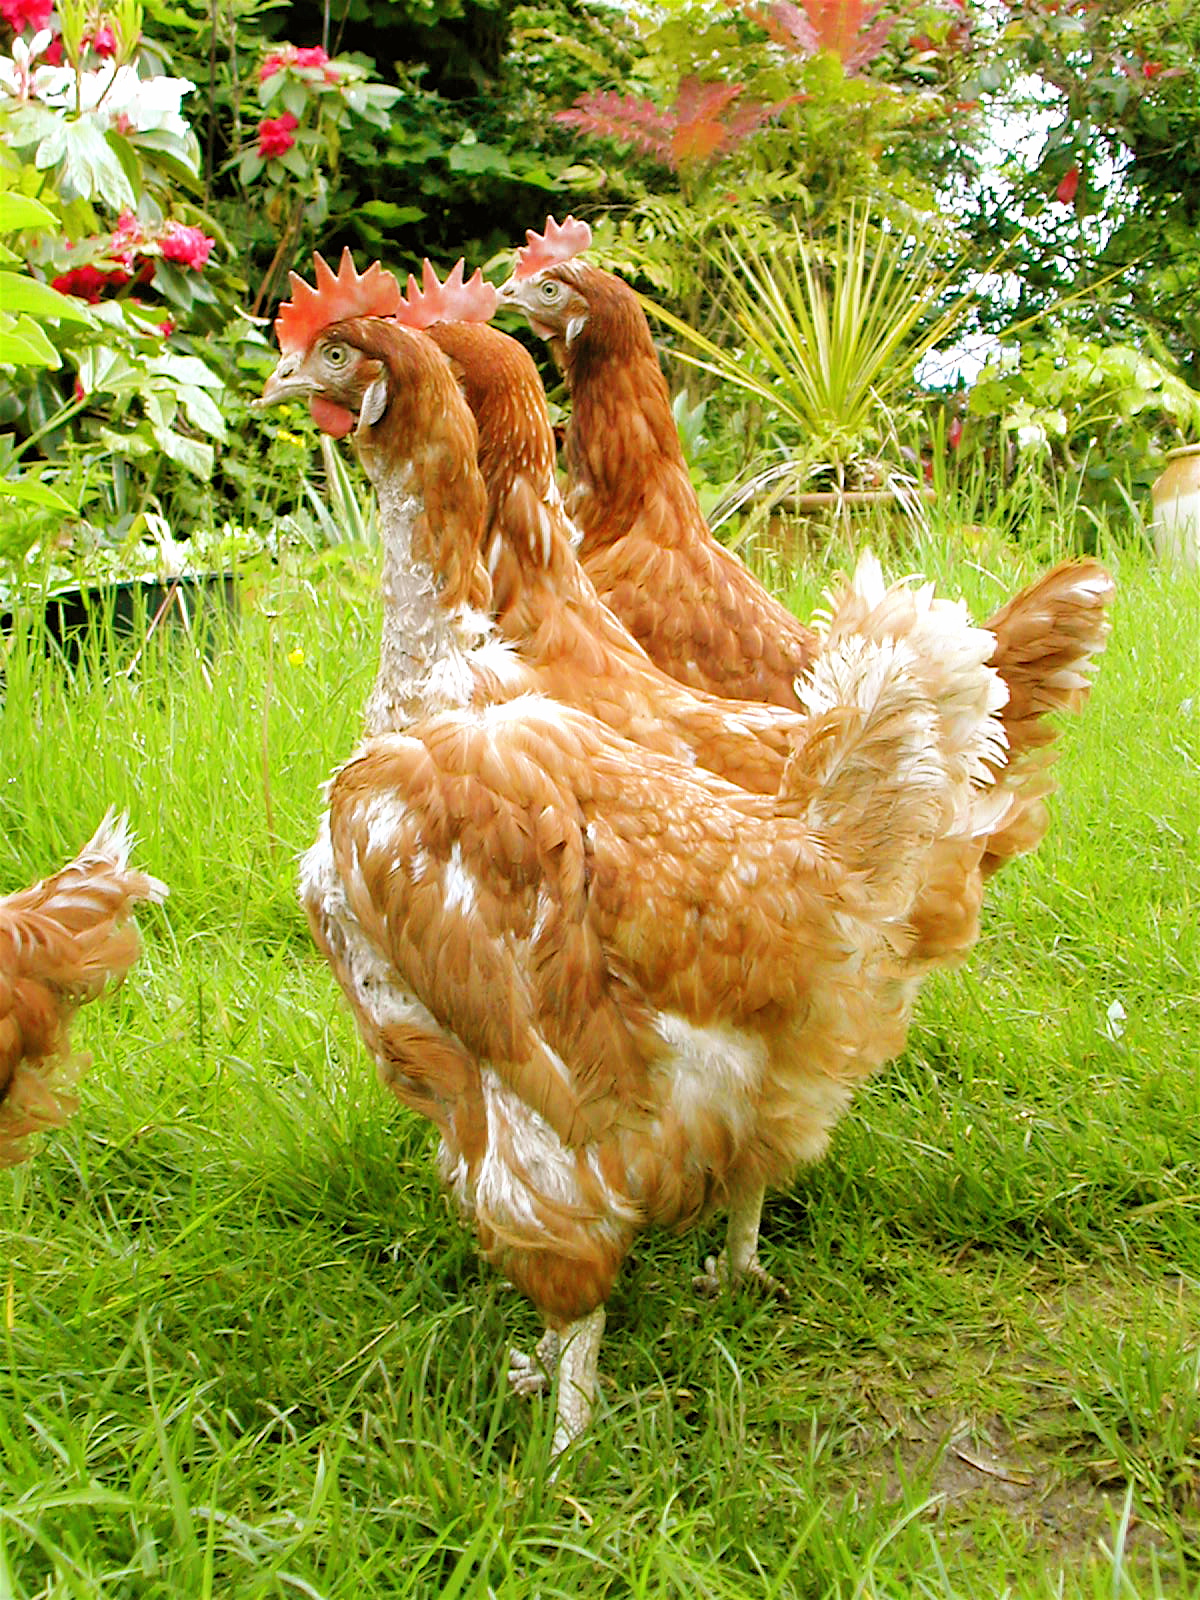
point(190, 247)
point(22, 14)
point(1151, 69)
point(1069, 187)
point(310, 56)
point(80, 391)
point(166, 328)
point(88, 283)
point(52, 55)
point(273, 64)
point(275, 135)
point(103, 41)
point(954, 432)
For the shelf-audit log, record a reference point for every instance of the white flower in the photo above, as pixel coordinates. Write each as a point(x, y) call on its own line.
point(21, 79)
point(114, 93)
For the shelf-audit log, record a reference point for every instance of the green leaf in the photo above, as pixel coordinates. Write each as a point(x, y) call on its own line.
point(89, 167)
point(293, 161)
point(130, 163)
point(38, 494)
point(294, 97)
point(478, 158)
point(20, 292)
point(202, 411)
point(20, 211)
point(197, 458)
point(24, 344)
point(390, 214)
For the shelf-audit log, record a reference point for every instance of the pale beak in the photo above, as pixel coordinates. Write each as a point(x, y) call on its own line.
point(509, 292)
point(287, 382)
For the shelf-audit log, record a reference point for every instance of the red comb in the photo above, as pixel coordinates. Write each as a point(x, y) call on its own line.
point(549, 248)
point(452, 301)
point(346, 293)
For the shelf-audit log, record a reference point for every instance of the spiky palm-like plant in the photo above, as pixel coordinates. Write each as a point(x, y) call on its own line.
point(828, 337)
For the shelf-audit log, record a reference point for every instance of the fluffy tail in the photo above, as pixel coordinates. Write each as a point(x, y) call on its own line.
point(868, 776)
point(61, 941)
point(966, 696)
point(1047, 640)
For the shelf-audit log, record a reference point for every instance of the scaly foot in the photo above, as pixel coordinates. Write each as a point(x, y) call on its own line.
point(716, 1277)
point(529, 1375)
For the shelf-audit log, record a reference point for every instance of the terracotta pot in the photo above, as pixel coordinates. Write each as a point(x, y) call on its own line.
point(1176, 497)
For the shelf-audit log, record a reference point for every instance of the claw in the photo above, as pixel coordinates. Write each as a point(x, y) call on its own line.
point(530, 1375)
point(716, 1278)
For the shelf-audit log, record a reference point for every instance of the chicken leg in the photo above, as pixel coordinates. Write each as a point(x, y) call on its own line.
point(739, 1259)
point(575, 1355)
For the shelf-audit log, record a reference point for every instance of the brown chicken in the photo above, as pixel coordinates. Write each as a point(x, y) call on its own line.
point(548, 609)
point(625, 991)
point(1047, 638)
point(60, 943)
point(701, 615)
point(698, 612)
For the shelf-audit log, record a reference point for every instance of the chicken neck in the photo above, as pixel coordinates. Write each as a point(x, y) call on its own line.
point(622, 435)
point(431, 509)
point(424, 645)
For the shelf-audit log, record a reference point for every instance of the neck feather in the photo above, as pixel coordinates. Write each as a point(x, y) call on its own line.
point(435, 588)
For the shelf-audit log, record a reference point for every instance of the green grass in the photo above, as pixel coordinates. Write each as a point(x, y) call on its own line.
point(248, 1351)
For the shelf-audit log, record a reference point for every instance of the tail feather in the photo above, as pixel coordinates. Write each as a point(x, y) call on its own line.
point(1048, 641)
point(61, 942)
point(868, 775)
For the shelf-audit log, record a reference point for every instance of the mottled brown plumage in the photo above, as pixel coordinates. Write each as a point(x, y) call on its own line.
point(61, 942)
point(696, 609)
point(700, 613)
point(624, 989)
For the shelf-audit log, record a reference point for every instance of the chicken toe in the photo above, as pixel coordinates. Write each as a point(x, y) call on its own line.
point(529, 1375)
point(738, 1262)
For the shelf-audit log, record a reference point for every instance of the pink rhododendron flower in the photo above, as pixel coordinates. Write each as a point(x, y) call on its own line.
point(52, 55)
point(301, 56)
point(1069, 187)
point(190, 247)
point(166, 328)
point(275, 135)
point(127, 235)
point(22, 14)
point(103, 41)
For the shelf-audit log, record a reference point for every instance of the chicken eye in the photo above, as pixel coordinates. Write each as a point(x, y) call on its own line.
point(550, 290)
point(336, 355)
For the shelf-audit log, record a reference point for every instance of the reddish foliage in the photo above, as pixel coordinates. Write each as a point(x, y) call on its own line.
point(850, 29)
point(697, 127)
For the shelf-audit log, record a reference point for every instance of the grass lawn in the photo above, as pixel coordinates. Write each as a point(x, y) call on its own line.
point(248, 1351)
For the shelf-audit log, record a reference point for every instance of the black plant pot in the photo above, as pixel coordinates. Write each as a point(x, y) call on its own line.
point(135, 608)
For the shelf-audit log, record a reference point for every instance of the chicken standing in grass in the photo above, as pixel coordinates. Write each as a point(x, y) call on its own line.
point(698, 611)
point(61, 942)
point(625, 991)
